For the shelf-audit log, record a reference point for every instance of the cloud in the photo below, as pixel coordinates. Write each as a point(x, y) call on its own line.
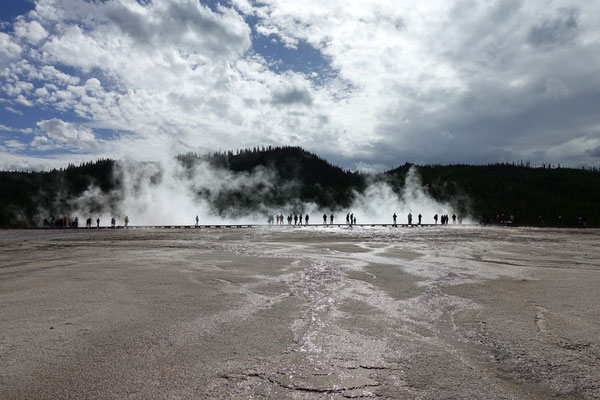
point(292, 95)
point(14, 145)
point(11, 129)
point(32, 32)
point(182, 76)
point(8, 48)
point(556, 30)
point(61, 134)
point(595, 152)
point(12, 110)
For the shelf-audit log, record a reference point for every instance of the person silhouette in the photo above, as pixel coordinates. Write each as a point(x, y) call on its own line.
point(394, 216)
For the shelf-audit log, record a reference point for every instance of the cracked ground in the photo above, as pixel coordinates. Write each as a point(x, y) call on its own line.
point(300, 313)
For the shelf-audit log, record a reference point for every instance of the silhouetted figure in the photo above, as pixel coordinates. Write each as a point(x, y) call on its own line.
point(348, 219)
point(324, 219)
point(113, 221)
point(410, 218)
point(420, 216)
point(97, 222)
point(331, 219)
point(295, 219)
point(351, 218)
point(306, 219)
point(126, 221)
point(454, 218)
point(354, 221)
point(394, 217)
point(290, 219)
point(435, 218)
point(76, 222)
point(197, 220)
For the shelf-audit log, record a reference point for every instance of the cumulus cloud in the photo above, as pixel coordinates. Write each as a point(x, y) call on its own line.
point(32, 32)
point(61, 134)
point(8, 48)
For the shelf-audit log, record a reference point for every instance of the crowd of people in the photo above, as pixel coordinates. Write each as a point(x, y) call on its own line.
point(74, 223)
point(300, 219)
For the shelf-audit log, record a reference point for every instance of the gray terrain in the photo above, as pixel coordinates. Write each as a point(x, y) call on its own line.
point(453, 312)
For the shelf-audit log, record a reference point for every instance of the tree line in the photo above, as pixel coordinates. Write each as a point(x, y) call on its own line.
point(297, 176)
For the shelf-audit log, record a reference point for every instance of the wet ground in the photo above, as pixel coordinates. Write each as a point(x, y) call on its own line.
point(300, 313)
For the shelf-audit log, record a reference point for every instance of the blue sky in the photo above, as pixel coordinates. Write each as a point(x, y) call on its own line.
point(368, 85)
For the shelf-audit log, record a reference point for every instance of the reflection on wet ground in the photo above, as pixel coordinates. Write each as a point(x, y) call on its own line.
point(452, 312)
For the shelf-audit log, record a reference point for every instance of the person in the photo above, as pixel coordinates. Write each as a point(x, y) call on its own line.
point(295, 219)
point(394, 216)
point(306, 219)
point(348, 219)
point(126, 221)
point(97, 222)
point(351, 218)
point(113, 221)
point(324, 219)
point(76, 222)
point(197, 220)
point(331, 219)
point(410, 218)
point(290, 219)
point(420, 216)
point(300, 219)
point(354, 221)
point(435, 218)
point(454, 218)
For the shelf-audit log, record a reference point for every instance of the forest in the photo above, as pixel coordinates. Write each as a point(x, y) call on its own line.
point(544, 195)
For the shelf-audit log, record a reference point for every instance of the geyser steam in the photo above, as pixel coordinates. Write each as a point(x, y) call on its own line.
point(169, 193)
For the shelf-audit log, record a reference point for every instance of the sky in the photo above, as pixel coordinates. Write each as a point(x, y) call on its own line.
point(368, 85)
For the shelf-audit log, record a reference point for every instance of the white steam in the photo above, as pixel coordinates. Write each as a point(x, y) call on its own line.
point(167, 193)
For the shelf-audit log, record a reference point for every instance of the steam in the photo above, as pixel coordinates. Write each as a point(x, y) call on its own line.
point(379, 202)
point(168, 193)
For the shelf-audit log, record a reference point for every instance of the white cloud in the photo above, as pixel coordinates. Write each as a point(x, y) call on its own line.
point(61, 134)
point(24, 101)
point(14, 145)
point(8, 48)
point(31, 32)
point(12, 110)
